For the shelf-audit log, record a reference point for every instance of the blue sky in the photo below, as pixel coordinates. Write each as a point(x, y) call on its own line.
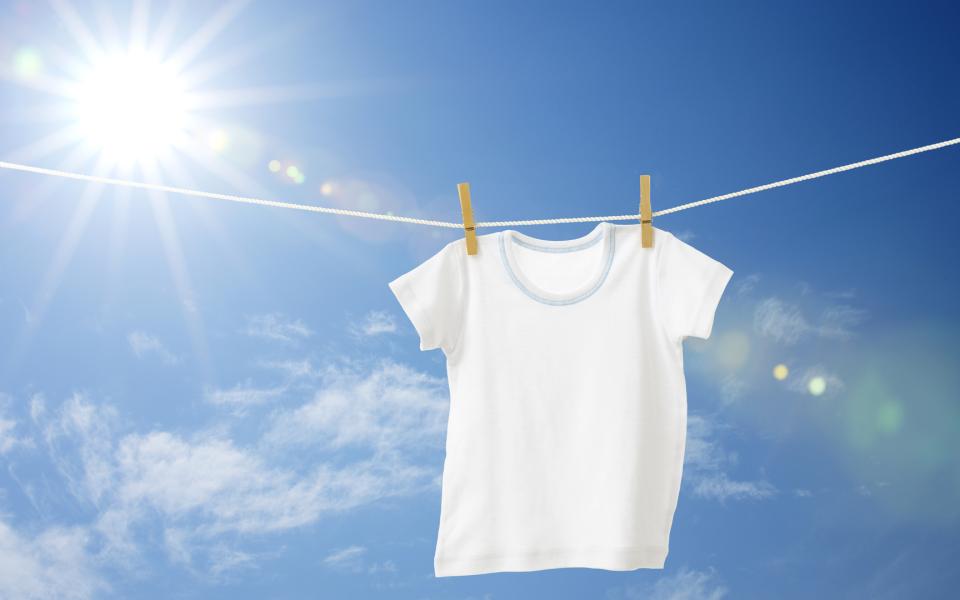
point(210, 400)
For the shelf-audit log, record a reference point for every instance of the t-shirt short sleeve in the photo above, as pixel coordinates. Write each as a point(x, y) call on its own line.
point(690, 287)
point(431, 295)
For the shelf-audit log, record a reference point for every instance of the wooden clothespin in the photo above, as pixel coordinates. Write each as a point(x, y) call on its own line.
point(646, 215)
point(469, 228)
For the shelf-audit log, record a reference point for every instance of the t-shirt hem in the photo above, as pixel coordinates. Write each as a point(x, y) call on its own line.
point(649, 557)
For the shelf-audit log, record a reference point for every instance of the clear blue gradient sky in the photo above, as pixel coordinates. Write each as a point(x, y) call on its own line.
point(208, 400)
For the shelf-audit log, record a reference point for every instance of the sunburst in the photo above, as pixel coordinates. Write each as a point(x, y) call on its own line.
point(132, 105)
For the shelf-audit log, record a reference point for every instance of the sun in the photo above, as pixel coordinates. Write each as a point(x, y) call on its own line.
point(144, 102)
point(131, 107)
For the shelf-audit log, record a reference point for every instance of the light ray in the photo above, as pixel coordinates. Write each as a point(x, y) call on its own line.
point(216, 165)
point(78, 30)
point(53, 112)
point(110, 38)
point(117, 240)
point(78, 155)
point(63, 77)
point(224, 98)
point(64, 254)
point(187, 51)
point(159, 43)
point(139, 25)
point(208, 216)
point(200, 72)
point(71, 64)
point(55, 86)
point(178, 268)
point(47, 145)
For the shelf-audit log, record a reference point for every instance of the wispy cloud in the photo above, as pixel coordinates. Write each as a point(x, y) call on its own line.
point(294, 369)
point(785, 322)
point(275, 326)
point(144, 345)
point(79, 438)
point(685, 584)
point(839, 320)
point(9, 433)
point(353, 559)
point(747, 284)
point(375, 322)
point(346, 555)
point(52, 564)
point(779, 320)
point(366, 427)
point(243, 395)
point(706, 464)
point(390, 407)
point(732, 388)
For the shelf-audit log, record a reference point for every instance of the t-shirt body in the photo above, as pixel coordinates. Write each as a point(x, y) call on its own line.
point(568, 410)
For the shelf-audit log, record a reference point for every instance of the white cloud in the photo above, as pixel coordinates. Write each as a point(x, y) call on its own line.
point(389, 407)
point(846, 294)
point(375, 322)
point(144, 344)
point(352, 558)
point(685, 584)
point(9, 437)
point(242, 395)
point(783, 322)
point(706, 464)
point(719, 486)
point(295, 369)
point(366, 428)
point(210, 487)
point(838, 321)
point(747, 284)
point(732, 388)
point(224, 558)
point(786, 323)
point(38, 407)
point(275, 326)
point(79, 439)
point(52, 564)
point(345, 556)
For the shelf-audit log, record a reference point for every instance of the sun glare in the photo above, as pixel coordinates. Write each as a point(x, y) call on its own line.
point(142, 102)
point(131, 107)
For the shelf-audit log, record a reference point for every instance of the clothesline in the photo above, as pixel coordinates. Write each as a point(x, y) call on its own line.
point(390, 217)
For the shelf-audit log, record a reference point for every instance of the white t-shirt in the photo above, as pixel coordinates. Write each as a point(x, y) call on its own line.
point(568, 407)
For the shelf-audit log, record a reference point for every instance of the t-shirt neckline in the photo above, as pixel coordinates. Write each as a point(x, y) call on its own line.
point(602, 233)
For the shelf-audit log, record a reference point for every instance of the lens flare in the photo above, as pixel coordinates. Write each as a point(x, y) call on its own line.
point(889, 416)
point(218, 140)
point(294, 173)
point(274, 166)
point(27, 63)
point(780, 372)
point(817, 385)
point(732, 349)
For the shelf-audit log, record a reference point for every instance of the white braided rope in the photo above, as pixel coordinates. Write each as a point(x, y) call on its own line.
point(390, 217)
